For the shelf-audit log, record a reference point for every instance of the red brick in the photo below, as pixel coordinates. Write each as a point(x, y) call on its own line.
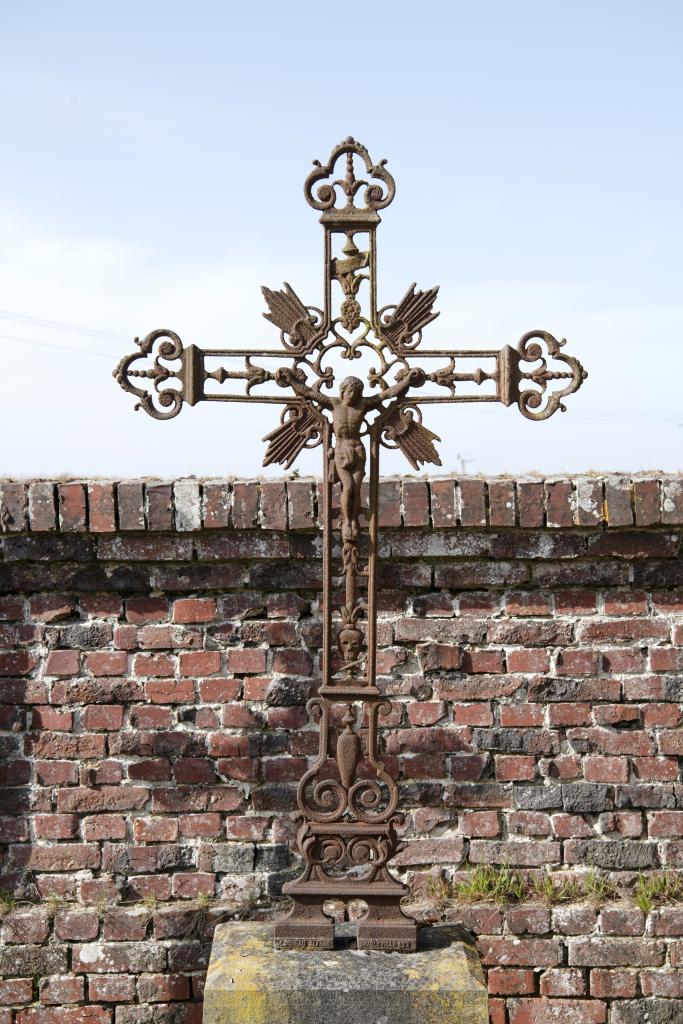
point(511, 768)
point(551, 1011)
point(624, 602)
point(245, 505)
point(300, 504)
point(582, 662)
point(154, 665)
point(516, 952)
point(155, 830)
point(613, 984)
point(434, 657)
point(273, 505)
point(194, 609)
point(292, 662)
point(126, 924)
point(622, 921)
point(104, 826)
point(616, 714)
point(16, 663)
point(528, 919)
point(26, 927)
point(497, 1011)
point(42, 506)
point(62, 663)
point(665, 984)
point(103, 717)
point(15, 991)
point(218, 690)
point(647, 502)
point(56, 826)
point(472, 502)
point(528, 823)
point(107, 663)
point(626, 823)
point(56, 773)
point(72, 506)
point(528, 661)
point(559, 503)
point(162, 988)
point(208, 824)
point(389, 503)
point(112, 988)
point(159, 506)
point(656, 769)
point(200, 663)
point(443, 502)
point(61, 989)
point(480, 824)
point(51, 719)
point(531, 501)
point(157, 637)
point(483, 661)
point(415, 503)
point(501, 503)
point(665, 824)
point(245, 660)
point(51, 607)
point(606, 769)
point(563, 982)
point(13, 502)
point(146, 609)
point(472, 714)
point(188, 885)
point(77, 925)
point(246, 827)
point(507, 981)
point(569, 714)
point(426, 712)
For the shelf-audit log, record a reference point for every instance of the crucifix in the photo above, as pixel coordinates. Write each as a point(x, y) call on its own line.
point(347, 799)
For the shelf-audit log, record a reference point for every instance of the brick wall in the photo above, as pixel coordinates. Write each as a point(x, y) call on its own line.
point(158, 643)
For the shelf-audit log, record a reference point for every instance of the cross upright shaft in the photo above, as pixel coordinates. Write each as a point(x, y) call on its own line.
point(347, 798)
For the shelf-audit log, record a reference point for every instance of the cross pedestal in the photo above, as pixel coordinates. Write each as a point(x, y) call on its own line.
point(251, 982)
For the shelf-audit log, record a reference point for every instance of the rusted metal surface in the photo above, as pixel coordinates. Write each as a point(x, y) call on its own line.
point(348, 800)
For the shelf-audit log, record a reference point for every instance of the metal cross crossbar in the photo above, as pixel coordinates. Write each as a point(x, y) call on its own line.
point(347, 799)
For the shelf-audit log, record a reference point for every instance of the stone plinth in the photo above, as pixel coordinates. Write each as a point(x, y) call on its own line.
point(251, 982)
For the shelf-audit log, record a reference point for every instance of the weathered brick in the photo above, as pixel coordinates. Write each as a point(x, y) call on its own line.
point(548, 1011)
point(615, 952)
point(42, 506)
point(61, 989)
point(25, 927)
point(118, 957)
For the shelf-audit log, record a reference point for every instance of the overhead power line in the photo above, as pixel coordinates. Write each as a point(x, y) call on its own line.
point(57, 325)
point(63, 348)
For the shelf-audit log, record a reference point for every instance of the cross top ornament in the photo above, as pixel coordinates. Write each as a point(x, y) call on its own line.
point(347, 799)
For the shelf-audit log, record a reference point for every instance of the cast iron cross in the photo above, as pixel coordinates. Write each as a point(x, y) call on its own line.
point(347, 798)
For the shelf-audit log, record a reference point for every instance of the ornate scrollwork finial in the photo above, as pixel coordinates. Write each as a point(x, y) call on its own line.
point(162, 403)
point(378, 192)
point(538, 402)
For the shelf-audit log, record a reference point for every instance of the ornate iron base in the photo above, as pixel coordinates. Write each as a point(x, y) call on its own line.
point(304, 926)
point(384, 926)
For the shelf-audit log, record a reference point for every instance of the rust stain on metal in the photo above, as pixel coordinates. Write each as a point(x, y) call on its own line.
point(347, 799)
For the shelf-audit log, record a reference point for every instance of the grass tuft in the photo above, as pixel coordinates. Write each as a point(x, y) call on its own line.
point(654, 890)
point(490, 884)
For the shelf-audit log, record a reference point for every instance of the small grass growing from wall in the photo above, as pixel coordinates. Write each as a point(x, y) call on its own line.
point(501, 884)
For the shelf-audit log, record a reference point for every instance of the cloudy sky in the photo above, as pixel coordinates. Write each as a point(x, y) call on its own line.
point(152, 162)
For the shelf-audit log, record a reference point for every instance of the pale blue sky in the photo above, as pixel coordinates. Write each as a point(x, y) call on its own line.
point(152, 162)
